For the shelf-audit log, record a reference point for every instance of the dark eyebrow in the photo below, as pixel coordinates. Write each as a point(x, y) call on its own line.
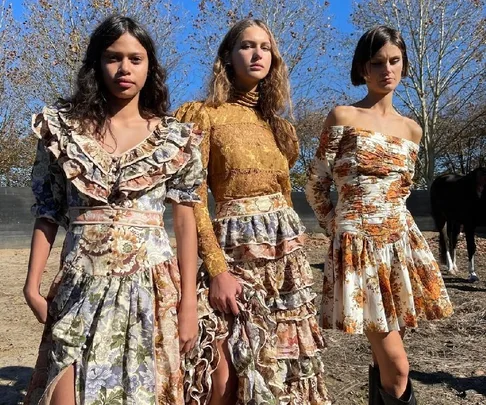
point(114, 53)
point(384, 58)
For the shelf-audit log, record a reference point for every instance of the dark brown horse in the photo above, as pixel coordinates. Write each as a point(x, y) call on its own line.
point(456, 201)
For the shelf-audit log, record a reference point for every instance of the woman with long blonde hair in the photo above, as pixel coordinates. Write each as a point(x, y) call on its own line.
point(259, 339)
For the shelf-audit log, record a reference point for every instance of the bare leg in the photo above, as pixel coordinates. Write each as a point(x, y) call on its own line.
point(225, 381)
point(392, 360)
point(375, 360)
point(64, 393)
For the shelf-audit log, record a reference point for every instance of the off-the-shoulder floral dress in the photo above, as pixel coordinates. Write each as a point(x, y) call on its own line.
point(380, 274)
point(113, 306)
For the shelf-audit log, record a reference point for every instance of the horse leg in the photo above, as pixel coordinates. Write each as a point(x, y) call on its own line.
point(444, 246)
point(450, 245)
point(471, 250)
point(454, 237)
point(440, 222)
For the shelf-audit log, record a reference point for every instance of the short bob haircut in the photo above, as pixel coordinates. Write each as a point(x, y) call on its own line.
point(370, 43)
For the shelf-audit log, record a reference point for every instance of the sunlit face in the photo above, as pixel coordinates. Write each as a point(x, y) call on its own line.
point(125, 65)
point(251, 58)
point(384, 70)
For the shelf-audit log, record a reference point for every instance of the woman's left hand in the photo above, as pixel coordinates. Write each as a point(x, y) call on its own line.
point(188, 325)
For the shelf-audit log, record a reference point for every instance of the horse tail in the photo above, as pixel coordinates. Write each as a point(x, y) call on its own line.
point(440, 221)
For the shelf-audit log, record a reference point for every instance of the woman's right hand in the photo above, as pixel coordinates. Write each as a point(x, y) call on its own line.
point(37, 303)
point(223, 290)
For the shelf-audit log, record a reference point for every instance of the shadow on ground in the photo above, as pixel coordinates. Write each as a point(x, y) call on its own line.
point(459, 384)
point(13, 380)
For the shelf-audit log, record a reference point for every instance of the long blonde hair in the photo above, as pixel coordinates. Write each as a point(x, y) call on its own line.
point(274, 89)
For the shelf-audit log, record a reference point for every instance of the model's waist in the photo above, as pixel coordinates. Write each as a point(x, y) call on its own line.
point(115, 215)
point(250, 206)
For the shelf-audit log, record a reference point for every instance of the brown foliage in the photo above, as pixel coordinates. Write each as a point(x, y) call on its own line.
point(446, 42)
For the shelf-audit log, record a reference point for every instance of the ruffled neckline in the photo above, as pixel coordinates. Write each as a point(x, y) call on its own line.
point(247, 99)
point(91, 168)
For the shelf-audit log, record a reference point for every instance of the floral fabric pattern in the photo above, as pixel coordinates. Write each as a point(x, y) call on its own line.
point(380, 275)
point(275, 343)
point(113, 307)
point(242, 160)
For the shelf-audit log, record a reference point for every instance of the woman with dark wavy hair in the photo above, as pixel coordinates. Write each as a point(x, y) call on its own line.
point(259, 340)
point(122, 310)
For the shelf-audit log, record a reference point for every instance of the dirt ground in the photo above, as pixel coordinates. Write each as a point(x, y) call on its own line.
point(447, 358)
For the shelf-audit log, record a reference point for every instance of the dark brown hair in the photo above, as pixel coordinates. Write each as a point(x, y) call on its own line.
point(89, 105)
point(370, 43)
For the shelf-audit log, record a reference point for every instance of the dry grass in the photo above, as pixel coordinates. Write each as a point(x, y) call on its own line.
point(447, 358)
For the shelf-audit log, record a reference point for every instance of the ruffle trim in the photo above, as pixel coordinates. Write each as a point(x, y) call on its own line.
point(266, 236)
point(201, 362)
point(164, 152)
point(246, 252)
point(399, 283)
point(275, 342)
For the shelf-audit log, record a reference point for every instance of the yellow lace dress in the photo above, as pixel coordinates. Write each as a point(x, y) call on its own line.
point(275, 343)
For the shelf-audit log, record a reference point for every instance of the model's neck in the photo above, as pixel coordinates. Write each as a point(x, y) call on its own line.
point(124, 109)
point(381, 103)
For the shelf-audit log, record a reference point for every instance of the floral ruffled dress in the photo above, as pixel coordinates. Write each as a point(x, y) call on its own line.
point(380, 274)
point(113, 306)
point(275, 343)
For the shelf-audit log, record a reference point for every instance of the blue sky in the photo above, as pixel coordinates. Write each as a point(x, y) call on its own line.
point(339, 10)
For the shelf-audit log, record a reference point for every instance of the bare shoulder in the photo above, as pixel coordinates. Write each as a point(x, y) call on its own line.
point(415, 130)
point(340, 115)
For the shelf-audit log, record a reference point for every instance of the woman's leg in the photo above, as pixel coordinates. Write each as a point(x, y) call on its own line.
point(375, 360)
point(64, 392)
point(225, 381)
point(391, 358)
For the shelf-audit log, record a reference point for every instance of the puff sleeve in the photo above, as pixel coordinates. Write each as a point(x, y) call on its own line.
point(320, 178)
point(209, 248)
point(48, 180)
point(182, 186)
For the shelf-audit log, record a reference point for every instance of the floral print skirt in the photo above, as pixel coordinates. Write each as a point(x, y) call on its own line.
point(119, 332)
point(275, 342)
point(375, 284)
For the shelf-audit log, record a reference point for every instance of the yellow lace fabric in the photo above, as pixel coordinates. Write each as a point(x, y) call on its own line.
point(242, 160)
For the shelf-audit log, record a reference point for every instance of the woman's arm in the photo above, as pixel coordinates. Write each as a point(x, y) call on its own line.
point(186, 239)
point(318, 187)
point(224, 287)
point(48, 187)
point(43, 238)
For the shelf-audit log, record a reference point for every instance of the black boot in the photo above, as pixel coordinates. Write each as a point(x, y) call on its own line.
point(408, 397)
point(374, 386)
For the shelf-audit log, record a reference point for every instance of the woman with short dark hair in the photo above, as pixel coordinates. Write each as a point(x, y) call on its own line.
point(380, 276)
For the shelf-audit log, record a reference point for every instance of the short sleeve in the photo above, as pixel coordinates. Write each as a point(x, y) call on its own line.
point(48, 180)
point(182, 186)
